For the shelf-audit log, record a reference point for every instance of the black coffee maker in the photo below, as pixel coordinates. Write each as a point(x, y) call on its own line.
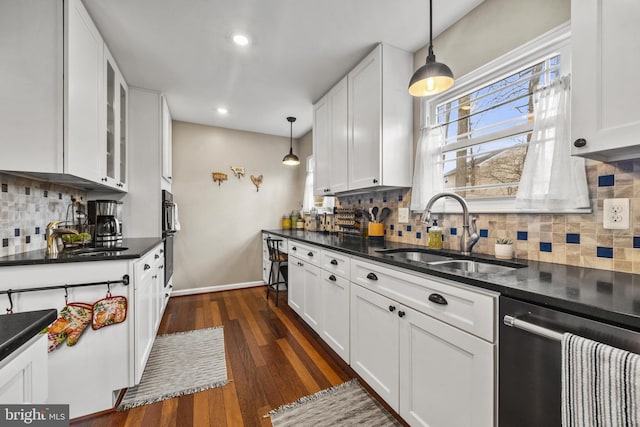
point(105, 216)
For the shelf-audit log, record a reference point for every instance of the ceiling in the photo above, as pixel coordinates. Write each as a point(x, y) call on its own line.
point(299, 50)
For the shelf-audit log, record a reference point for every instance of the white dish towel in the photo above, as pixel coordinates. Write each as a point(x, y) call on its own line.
point(600, 384)
point(176, 220)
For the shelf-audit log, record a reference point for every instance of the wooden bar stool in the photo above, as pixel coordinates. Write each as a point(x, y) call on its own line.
point(279, 261)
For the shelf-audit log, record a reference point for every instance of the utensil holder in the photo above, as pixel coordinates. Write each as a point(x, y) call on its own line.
point(376, 231)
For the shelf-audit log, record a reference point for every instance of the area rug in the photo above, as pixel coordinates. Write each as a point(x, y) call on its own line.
point(347, 404)
point(179, 364)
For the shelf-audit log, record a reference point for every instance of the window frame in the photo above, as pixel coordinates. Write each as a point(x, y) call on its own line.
point(556, 41)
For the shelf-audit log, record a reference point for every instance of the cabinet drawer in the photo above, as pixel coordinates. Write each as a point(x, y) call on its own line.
point(335, 262)
point(454, 304)
point(310, 254)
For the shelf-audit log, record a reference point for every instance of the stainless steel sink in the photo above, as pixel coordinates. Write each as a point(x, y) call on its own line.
point(93, 251)
point(472, 266)
point(414, 255)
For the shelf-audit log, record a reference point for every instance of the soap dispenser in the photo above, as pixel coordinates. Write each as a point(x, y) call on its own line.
point(435, 236)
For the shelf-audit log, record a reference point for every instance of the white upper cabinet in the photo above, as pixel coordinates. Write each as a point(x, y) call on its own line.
point(605, 87)
point(54, 110)
point(363, 126)
point(83, 105)
point(167, 142)
point(330, 141)
point(115, 147)
point(321, 148)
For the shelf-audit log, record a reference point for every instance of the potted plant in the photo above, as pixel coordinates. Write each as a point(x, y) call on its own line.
point(504, 248)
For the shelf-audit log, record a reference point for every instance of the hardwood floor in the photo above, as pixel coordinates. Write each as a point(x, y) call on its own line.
point(273, 358)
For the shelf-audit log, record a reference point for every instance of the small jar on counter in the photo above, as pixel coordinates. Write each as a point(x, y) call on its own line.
point(286, 222)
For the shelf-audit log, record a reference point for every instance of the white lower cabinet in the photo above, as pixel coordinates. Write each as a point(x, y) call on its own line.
point(334, 313)
point(296, 285)
point(148, 306)
point(305, 291)
point(375, 351)
point(426, 345)
point(446, 375)
point(24, 374)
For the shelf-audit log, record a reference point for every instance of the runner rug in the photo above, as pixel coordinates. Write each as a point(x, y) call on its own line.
point(179, 364)
point(347, 404)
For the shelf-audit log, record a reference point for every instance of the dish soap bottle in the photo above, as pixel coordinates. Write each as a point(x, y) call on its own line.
point(435, 236)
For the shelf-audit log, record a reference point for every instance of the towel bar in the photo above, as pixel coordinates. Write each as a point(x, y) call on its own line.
point(514, 322)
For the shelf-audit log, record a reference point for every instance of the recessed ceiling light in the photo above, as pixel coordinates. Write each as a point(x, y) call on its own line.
point(240, 39)
point(222, 110)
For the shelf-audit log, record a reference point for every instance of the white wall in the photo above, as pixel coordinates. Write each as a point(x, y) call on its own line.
point(220, 241)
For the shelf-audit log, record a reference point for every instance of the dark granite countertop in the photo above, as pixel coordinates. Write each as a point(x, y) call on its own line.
point(603, 295)
point(18, 328)
point(135, 248)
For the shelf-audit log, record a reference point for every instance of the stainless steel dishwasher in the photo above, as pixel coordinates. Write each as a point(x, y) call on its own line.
point(530, 359)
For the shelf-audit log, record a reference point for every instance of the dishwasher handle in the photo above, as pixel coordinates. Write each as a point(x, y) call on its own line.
point(514, 322)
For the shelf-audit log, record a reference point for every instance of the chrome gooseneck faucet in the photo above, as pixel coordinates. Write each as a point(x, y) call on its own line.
point(467, 238)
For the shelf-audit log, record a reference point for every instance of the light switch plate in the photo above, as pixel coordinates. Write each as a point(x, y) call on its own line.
point(615, 214)
point(403, 215)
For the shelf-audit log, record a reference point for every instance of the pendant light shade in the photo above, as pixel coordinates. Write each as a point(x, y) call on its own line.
point(433, 77)
point(291, 159)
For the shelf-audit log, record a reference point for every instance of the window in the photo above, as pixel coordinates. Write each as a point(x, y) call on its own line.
point(486, 122)
point(486, 132)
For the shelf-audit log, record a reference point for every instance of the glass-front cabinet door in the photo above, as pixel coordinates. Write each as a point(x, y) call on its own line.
point(115, 155)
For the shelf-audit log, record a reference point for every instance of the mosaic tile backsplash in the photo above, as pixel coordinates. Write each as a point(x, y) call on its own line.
point(574, 239)
point(26, 207)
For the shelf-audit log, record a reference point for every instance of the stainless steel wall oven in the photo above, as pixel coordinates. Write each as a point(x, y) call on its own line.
point(168, 232)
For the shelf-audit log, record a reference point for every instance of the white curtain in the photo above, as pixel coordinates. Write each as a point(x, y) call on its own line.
point(427, 172)
point(308, 201)
point(552, 179)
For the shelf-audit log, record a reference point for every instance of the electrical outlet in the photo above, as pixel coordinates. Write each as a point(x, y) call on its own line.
point(403, 215)
point(615, 214)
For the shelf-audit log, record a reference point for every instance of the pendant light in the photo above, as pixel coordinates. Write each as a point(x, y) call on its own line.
point(433, 77)
point(291, 159)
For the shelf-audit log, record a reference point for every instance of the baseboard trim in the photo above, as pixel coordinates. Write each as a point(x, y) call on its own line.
point(207, 289)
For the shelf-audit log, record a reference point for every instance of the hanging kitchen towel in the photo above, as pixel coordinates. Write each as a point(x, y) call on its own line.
point(176, 220)
point(109, 311)
point(600, 384)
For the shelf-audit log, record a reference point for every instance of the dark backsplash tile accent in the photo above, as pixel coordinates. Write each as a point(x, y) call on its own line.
point(604, 252)
point(522, 235)
point(606, 180)
point(546, 247)
point(573, 238)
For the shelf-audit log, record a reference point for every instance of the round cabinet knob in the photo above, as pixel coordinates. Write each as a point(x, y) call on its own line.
point(401, 313)
point(294, 248)
point(392, 308)
point(580, 142)
point(375, 181)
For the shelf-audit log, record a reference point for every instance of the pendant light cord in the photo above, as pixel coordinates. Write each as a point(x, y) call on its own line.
point(431, 55)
